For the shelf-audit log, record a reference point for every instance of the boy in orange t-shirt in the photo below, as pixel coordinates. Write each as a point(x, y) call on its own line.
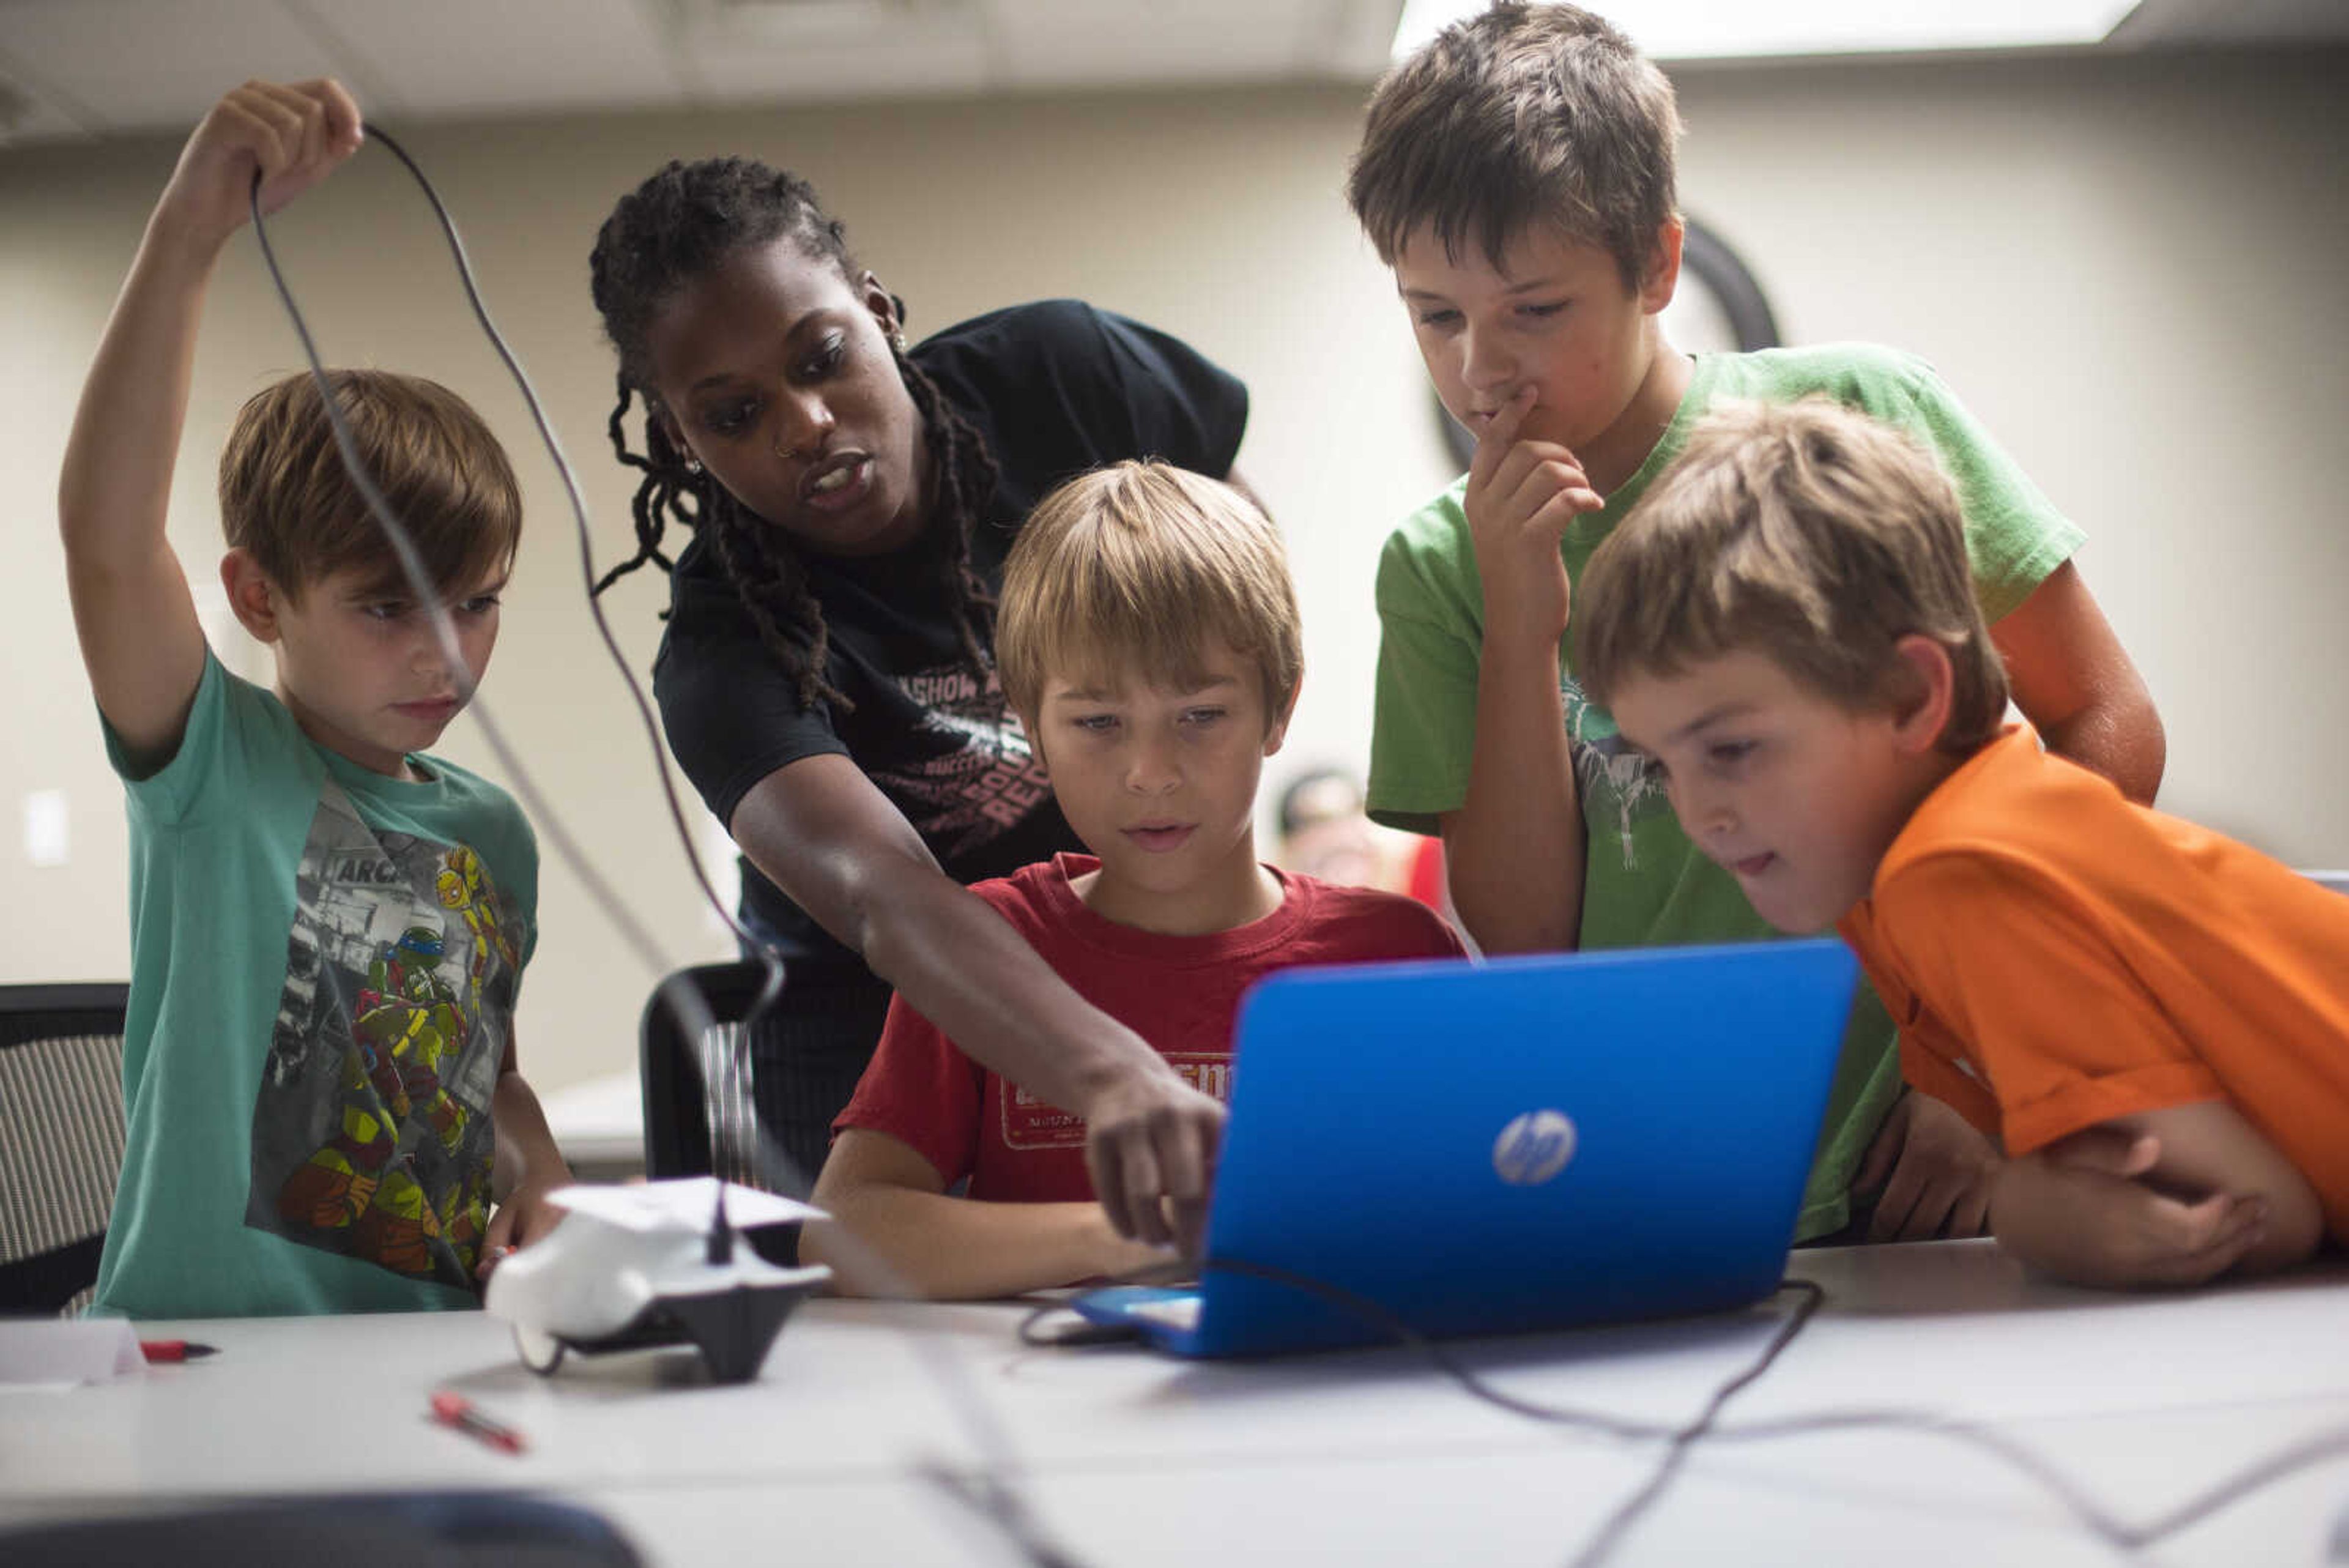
point(2153, 1019)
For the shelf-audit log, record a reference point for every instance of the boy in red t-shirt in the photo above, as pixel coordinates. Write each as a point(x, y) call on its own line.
point(1148, 639)
point(2153, 1018)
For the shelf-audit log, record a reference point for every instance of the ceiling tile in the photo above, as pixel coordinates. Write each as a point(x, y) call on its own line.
point(154, 64)
point(835, 49)
point(1076, 43)
point(468, 57)
point(29, 113)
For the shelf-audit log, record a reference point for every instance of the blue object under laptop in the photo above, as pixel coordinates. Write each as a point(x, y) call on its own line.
point(1525, 1144)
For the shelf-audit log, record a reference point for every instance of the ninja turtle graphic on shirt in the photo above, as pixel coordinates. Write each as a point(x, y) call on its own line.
point(371, 1134)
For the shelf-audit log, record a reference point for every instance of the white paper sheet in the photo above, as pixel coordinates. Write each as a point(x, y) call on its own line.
point(683, 1204)
point(55, 1351)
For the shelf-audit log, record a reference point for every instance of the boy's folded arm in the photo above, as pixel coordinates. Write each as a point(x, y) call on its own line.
point(2210, 1148)
point(2082, 1212)
point(2077, 684)
point(893, 1202)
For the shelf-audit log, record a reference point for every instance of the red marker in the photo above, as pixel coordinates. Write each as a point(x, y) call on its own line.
point(456, 1410)
point(175, 1350)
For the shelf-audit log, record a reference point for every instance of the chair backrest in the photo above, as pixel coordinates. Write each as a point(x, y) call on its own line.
point(60, 1138)
point(698, 1116)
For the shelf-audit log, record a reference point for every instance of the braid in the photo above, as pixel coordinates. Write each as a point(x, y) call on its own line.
point(667, 488)
point(771, 581)
point(966, 475)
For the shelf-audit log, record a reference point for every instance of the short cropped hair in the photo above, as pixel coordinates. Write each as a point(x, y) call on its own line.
point(1523, 117)
point(1129, 570)
point(1806, 532)
point(285, 497)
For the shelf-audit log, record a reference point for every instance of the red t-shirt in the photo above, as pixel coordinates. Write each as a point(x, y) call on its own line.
point(1180, 993)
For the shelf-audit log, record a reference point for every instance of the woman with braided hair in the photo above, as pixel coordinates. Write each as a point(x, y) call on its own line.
point(827, 680)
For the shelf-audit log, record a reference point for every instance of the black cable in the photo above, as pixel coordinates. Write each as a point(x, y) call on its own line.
point(1680, 1438)
point(2091, 1515)
point(1615, 1525)
point(995, 1496)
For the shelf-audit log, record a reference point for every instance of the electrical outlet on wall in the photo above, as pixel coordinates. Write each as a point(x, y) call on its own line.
point(47, 842)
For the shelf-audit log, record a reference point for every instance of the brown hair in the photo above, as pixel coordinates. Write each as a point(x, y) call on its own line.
point(1525, 117)
point(286, 498)
point(1807, 533)
point(1131, 569)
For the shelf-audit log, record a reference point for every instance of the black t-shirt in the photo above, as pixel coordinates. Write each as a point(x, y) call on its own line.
point(1056, 388)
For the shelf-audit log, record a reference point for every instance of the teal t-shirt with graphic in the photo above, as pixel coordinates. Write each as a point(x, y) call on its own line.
point(1644, 883)
point(324, 967)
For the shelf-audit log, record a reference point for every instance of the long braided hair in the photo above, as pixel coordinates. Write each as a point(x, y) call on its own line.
point(675, 228)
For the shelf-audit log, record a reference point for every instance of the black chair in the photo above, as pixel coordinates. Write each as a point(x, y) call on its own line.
point(690, 1130)
point(786, 1079)
point(60, 1140)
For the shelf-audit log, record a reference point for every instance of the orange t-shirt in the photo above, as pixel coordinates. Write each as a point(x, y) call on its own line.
point(2057, 956)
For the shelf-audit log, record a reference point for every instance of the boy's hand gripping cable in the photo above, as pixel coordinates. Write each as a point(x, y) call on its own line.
point(993, 1490)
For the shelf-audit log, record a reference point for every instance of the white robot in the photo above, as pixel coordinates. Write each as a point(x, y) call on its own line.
point(654, 1264)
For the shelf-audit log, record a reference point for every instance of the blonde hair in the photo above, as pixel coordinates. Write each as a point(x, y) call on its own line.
point(1523, 118)
point(286, 499)
point(1807, 533)
point(1130, 570)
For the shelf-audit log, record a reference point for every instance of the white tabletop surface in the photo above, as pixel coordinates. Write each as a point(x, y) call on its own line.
point(1361, 1457)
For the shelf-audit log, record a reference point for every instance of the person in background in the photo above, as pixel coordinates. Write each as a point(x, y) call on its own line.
point(1325, 832)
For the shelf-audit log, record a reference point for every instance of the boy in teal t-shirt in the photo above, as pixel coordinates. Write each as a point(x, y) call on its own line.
point(1517, 174)
point(328, 927)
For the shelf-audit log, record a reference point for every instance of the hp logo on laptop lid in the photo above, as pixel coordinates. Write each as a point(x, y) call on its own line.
point(1533, 1147)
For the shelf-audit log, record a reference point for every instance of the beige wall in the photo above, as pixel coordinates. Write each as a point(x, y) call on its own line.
point(2129, 268)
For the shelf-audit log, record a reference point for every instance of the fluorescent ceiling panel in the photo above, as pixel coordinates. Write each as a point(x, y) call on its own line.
point(1741, 29)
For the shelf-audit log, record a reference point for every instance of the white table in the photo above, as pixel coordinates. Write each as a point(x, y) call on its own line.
point(1360, 1458)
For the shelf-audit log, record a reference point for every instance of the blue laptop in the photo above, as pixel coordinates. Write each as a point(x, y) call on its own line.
point(1525, 1144)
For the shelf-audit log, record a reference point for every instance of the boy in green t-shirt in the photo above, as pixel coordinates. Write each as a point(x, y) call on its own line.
point(328, 926)
point(1518, 175)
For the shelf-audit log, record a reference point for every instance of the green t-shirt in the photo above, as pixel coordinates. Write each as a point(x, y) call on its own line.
point(323, 968)
point(1645, 884)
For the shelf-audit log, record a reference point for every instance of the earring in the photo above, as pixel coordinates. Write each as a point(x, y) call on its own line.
point(693, 465)
point(897, 339)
